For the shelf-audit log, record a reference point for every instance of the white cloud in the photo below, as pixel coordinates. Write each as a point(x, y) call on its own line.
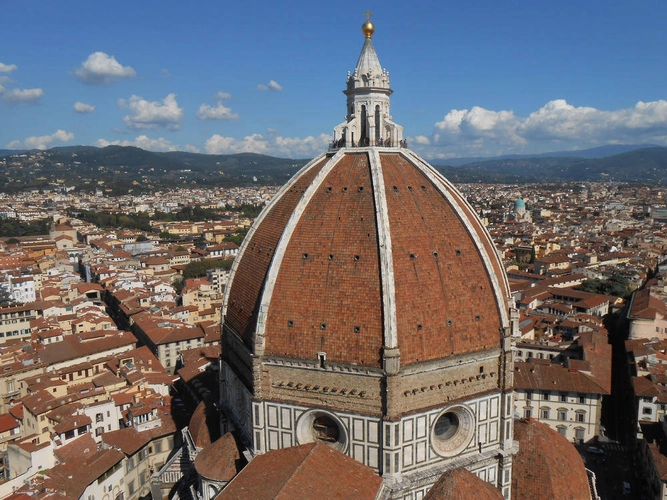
point(222, 96)
point(42, 142)
point(478, 123)
point(556, 125)
point(218, 112)
point(30, 96)
point(7, 68)
point(218, 144)
point(272, 85)
point(297, 147)
point(290, 147)
point(422, 139)
point(151, 115)
point(102, 69)
point(82, 107)
point(143, 142)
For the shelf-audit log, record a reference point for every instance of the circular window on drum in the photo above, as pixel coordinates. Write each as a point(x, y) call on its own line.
point(452, 431)
point(319, 425)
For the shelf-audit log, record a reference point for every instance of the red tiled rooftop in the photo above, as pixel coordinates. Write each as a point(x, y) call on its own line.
point(547, 465)
point(297, 472)
point(219, 461)
point(461, 484)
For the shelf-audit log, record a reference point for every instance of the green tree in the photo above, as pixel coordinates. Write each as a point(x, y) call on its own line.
point(198, 269)
point(237, 237)
point(178, 285)
point(617, 286)
point(166, 235)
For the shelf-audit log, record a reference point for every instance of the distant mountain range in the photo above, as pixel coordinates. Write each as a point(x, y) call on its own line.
point(636, 164)
point(123, 169)
point(599, 152)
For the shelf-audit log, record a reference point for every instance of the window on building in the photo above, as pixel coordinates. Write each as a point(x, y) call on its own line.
point(326, 429)
point(562, 430)
point(562, 414)
point(99, 417)
point(582, 399)
point(69, 434)
point(579, 433)
point(647, 410)
point(99, 431)
point(529, 395)
point(130, 487)
point(545, 396)
point(581, 416)
point(563, 397)
point(158, 447)
point(129, 465)
point(545, 413)
point(527, 413)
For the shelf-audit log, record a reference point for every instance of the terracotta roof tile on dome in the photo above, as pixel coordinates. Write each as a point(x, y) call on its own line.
point(221, 460)
point(333, 272)
point(547, 465)
point(251, 270)
point(311, 471)
point(461, 484)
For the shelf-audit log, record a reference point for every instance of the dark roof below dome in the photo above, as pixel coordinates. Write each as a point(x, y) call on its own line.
point(204, 425)
point(221, 460)
point(547, 465)
point(461, 484)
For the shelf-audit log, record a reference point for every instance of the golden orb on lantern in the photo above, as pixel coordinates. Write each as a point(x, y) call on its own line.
point(368, 28)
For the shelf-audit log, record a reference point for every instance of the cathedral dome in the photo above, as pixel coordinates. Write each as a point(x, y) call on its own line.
point(368, 309)
point(364, 250)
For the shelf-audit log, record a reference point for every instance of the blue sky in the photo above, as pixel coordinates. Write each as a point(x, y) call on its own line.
point(476, 78)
